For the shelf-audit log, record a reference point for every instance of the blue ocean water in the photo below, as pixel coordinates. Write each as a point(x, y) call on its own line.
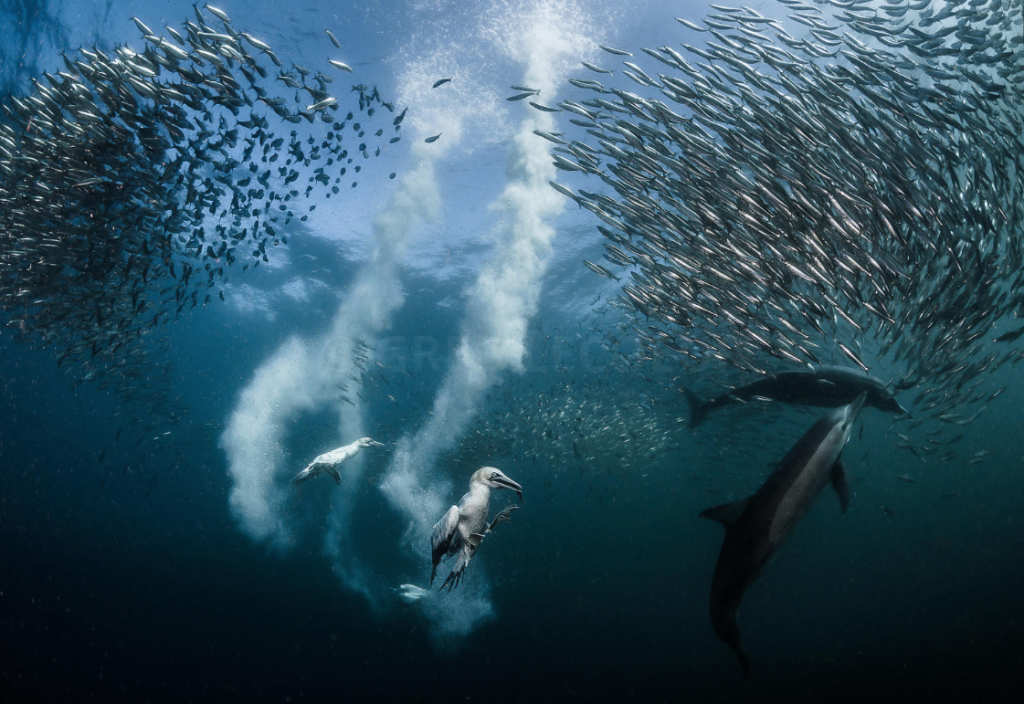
point(146, 556)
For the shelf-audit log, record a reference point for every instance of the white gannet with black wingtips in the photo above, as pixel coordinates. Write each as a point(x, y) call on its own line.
point(462, 528)
point(329, 461)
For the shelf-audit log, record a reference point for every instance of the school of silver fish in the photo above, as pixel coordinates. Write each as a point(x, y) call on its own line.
point(133, 181)
point(841, 186)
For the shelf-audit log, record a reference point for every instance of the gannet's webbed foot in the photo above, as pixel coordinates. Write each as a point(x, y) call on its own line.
point(504, 515)
point(454, 577)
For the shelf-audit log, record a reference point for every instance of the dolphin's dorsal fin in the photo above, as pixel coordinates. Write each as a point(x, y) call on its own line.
point(726, 514)
point(839, 483)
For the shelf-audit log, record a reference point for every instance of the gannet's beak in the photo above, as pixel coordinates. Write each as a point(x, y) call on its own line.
point(509, 484)
point(374, 443)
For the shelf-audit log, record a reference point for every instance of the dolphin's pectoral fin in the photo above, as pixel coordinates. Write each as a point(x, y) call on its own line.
point(840, 484)
point(336, 474)
point(726, 514)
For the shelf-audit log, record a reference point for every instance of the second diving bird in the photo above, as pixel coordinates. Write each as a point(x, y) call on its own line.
point(329, 461)
point(464, 525)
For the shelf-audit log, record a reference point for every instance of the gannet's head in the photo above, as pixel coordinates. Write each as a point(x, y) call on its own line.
point(369, 442)
point(496, 479)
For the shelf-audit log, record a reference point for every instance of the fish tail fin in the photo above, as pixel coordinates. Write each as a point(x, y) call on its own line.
point(697, 408)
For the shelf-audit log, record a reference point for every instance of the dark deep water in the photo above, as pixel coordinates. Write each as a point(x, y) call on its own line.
point(124, 575)
point(109, 595)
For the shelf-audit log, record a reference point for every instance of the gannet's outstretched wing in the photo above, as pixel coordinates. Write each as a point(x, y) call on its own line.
point(444, 538)
point(467, 548)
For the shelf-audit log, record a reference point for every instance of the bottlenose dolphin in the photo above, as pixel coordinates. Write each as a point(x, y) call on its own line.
point(823, 386)
point(463, 526)
point(756, 527)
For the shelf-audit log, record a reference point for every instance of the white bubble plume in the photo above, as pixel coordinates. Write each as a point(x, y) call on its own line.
point(302, 376)
point(544, 36)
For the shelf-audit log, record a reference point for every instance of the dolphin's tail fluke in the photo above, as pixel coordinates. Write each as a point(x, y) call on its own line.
point(744, 661)
point(723, 619)
point(697, 408)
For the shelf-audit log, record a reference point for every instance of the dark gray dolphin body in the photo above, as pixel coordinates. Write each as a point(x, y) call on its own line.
point(823, 386)
point(756, 527)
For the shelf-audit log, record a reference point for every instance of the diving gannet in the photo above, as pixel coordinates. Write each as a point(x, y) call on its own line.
point(329, 461)
point(462, 528)
point(756, 527)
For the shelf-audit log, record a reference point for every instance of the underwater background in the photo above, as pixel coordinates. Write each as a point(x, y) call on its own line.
point(152, 550)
